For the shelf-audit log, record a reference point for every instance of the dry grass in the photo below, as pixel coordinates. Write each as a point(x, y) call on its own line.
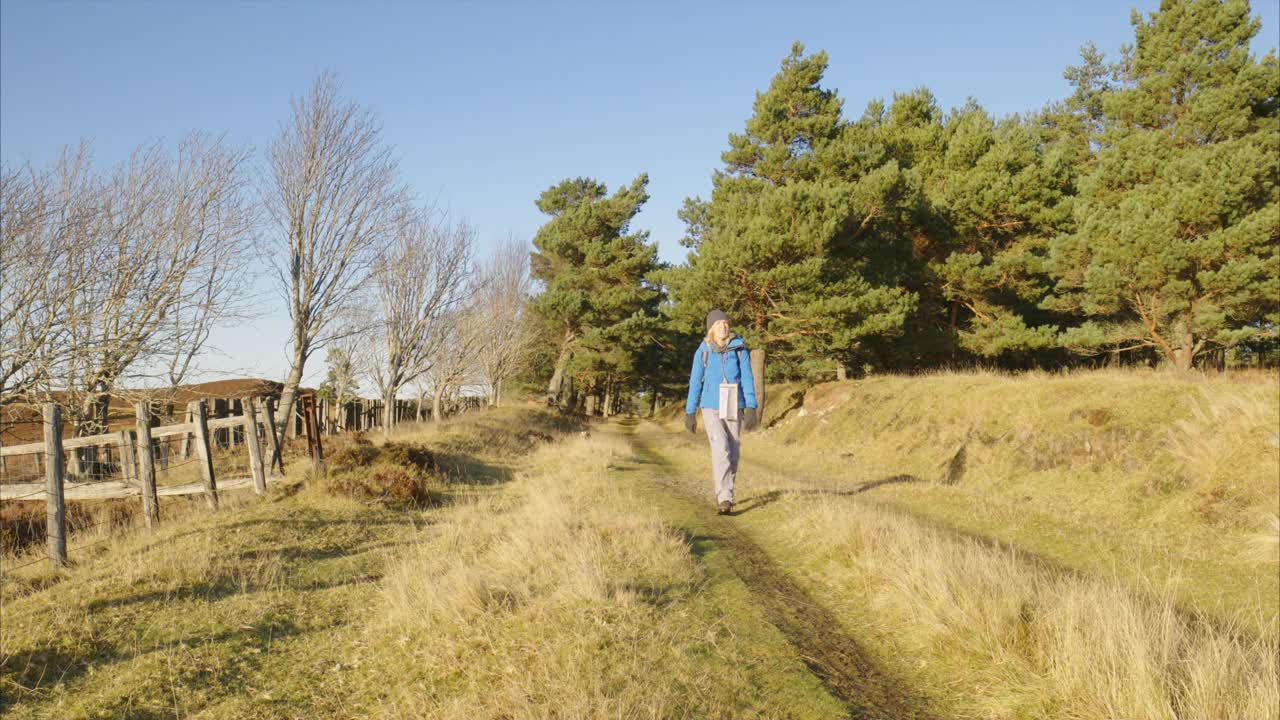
point(559, 599)
point(1149, 476)
point(243, 612)
point(546, 603)
point(1223, 451)
point(540, 589)
point(1015, 640)
point(1264, 546)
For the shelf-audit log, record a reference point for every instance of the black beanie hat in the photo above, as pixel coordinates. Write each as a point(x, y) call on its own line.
point(715, 315)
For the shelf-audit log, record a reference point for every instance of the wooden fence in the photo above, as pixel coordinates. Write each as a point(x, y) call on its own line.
point(360, 414)
point(135, 452)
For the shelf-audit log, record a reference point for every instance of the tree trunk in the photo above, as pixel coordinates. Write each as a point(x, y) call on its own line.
point(608, 399)
point(436, 404)
point(842, 373)
point(653, 402)
point(389, 418)
point(757, 374)
point(555, 388)
point(1184, 355)
point(288, 395)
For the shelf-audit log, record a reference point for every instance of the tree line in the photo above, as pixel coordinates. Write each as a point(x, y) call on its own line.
point(113, 279)
point(1136, 221)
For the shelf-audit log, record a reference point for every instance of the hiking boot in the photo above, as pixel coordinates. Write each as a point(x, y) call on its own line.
point(725, 507)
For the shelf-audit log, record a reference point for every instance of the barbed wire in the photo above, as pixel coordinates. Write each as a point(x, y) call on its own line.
point(172, 465)
point(82, 548)
point(24, 565)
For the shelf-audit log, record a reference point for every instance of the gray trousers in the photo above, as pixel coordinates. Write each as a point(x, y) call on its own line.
point(725, 443)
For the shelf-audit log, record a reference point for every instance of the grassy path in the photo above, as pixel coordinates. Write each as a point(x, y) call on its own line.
point(814, 633)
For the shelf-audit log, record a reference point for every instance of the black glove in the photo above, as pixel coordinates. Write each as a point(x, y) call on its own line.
point(750, 419)
point(690, 423)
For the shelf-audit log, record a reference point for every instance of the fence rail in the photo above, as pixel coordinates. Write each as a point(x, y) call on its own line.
point(136, 452)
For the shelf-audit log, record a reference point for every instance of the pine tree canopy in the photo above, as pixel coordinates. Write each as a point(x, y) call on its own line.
point(1137, 219)
point(1178, 223)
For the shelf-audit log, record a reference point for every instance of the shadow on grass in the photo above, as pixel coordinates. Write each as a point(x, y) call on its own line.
point(758, 501)
point(835, 657)
point(40, 668)
point(465, 469)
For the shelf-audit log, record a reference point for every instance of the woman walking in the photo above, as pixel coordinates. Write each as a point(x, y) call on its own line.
point(721, 384)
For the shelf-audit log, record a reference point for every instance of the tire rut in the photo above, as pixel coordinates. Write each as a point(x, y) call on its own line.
point(835, 657)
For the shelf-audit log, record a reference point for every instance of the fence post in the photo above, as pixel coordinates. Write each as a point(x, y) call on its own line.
point(54, 469)
point(249, 408)
point(188, 419)
point(200, 410)
point(308, 407)
point(273, 437)
point(128, 465)
point(146, 466)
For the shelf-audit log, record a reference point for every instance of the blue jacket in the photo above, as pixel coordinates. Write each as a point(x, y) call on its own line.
point(733, 365)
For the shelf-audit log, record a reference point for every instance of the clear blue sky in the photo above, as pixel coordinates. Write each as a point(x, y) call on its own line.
point(490, 103)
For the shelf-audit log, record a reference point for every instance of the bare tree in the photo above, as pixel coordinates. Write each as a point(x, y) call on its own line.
point(500, 315)
point(344, 378)
point(333, 196)
point(453, 360)
point(421, 278)
point(170, 239)
point(349, 355)
point(42, 226)
point(140, 264)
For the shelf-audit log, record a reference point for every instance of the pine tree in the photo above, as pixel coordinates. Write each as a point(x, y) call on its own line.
point(594, 271)
point(784, 243)
point(1003, 191)
point(1178, 223)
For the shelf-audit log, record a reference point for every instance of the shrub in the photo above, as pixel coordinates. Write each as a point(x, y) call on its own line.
point(388, 484)
point(409, 455)
point(349, 457)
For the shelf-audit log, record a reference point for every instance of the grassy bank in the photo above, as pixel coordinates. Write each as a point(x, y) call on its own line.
point(1160, 481)
point(248, 612)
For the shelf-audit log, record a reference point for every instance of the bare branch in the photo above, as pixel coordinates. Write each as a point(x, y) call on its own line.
point(334, 195)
